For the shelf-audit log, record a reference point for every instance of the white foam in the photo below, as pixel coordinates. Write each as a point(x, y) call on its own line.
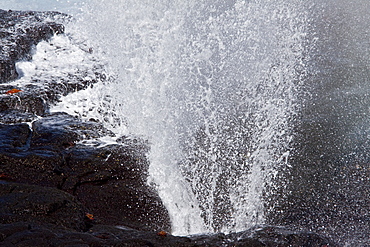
point(60, 59)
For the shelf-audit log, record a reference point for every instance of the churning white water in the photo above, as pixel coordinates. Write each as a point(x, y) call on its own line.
point(213, 86)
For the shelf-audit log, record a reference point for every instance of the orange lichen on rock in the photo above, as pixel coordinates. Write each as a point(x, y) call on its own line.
point(89, 216)
point(162, 233)
point(14, 90)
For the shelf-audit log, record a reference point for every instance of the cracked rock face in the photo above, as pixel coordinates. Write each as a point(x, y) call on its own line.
point(40, 204)
point(110, 181)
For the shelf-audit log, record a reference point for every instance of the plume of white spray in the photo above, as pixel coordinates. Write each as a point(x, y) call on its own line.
point(212, 85)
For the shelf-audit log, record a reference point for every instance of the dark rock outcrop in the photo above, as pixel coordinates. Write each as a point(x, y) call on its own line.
point(27, 203)
point(34, 234)
point(110, 181)
point(279, 236)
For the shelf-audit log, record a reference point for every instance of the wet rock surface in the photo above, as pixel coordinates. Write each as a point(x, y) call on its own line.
point(55, 190)
point(22, 202)
point(110, 181)
point(34, 234)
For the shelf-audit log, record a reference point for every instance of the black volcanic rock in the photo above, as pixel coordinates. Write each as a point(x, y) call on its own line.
point(36, 234)
point(14, 137)
point(57, 131)
point(110, 181)
point(30, 203)
point(279, 236)
point(31, 101)
point(36, 97)
point(15, 116)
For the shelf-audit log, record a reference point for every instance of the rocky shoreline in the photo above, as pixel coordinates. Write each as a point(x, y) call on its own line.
point(56, 191)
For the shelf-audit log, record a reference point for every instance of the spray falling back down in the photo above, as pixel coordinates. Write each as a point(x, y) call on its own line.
point(212, 85)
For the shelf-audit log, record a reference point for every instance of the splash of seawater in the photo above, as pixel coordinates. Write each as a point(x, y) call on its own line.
point(213, 86)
